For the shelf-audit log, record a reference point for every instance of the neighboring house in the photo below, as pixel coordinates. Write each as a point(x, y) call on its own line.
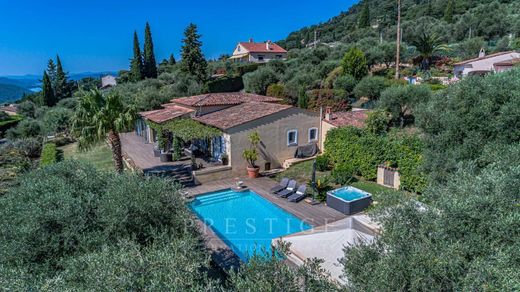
point(354, 118)
point(506, 65)
point(108, 81)
point(484, 64)
point(9, 109)
point(251, 52)
point(282, 128)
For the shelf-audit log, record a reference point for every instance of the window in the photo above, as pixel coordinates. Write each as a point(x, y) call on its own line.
point(238, 48)
point(260, 57)
point(313, 134)
point(278, 56)
point(292, 138)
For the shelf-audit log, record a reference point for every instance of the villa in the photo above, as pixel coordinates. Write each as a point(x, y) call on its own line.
point(282, 129)
point(251, 52)
point(498, 62)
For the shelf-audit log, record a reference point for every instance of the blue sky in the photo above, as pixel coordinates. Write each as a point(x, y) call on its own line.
point(96, 35)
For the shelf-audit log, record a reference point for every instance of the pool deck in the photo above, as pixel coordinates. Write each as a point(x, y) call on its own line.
point(315, 215)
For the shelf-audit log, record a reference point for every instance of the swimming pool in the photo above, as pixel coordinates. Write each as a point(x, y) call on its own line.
point(245, 221)
point(348, 200)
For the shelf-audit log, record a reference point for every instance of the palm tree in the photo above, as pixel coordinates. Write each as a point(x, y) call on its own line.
point(428, 45)
point(98, 117)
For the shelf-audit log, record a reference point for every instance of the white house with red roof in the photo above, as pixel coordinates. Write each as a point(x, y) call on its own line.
point(484, 64)
point(251, 52)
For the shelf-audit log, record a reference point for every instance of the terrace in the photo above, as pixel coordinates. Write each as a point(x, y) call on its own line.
point(140, 157)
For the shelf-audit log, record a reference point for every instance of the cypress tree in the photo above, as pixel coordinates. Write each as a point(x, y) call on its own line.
point(47, 94)
point(136, 65)
point(61, 86)
point(150, 67)
point(448, 13)
point(193, 61)
point(364, 18)
point(172, 61)
point(51, 71)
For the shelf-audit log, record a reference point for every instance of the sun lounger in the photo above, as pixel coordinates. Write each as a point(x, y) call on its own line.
point(299, 195)
point(289, 190)
point(281, 186)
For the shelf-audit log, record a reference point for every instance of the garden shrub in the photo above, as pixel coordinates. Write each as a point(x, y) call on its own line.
point(370, 87)
point(343, 173)
point(345, 82)
point(50, 154)
point(257, 81)
point(322, 163)
point(68, 224)
point(29, 147)
point(276, 90)
point(377, 121)
point(226, 84)
point(337, 99)
point(358, 152)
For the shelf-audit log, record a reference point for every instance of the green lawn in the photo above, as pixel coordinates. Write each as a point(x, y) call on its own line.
point(100, 156)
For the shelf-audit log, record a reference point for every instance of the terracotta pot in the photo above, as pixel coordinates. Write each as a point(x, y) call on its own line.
point(252, 172)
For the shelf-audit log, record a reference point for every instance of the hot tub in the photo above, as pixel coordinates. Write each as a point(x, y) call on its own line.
point(348, 200)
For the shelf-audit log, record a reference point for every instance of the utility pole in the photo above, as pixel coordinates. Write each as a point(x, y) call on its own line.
point(398, 55)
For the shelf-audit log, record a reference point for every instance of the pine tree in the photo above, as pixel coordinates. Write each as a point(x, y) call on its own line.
point(47, 93)
point(172, 61)
point(136, 65)
point(193, 61)
point(51, 72)
point(61, 86)
point(364, 18)
point(448, 13)
point(150, 66)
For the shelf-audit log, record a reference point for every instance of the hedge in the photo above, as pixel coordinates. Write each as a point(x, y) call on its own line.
point(226, 84)
point(50, 154)
point(12, 121)
point(361, 152)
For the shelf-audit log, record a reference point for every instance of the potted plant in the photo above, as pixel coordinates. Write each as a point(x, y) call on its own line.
point(225, 159)
point(251, 155)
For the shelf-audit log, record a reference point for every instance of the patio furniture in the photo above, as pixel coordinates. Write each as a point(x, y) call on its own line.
point(282, 185)
point(299, 195)
point(289, 190)
point(156, 152)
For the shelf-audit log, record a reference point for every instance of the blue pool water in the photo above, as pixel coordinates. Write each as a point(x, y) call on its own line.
point(245, 221)
point(349, 193)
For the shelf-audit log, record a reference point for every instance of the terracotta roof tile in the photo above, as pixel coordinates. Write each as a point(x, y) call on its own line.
point(168, 113)
point(224, 98)
point(9, 108)
point(351, 118)
point(241, 114)
point(262, 48)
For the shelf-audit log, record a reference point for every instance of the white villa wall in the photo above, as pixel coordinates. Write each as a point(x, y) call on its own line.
point(483, 65)
point(254, 57)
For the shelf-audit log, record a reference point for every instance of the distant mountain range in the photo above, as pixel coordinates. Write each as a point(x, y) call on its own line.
point(13, 88)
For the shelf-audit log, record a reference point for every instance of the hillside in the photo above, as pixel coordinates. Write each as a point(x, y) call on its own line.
point(452, 20)
point(11, 92)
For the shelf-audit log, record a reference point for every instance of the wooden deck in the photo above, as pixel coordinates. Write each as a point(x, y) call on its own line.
point(315, 215)
point(141, 155)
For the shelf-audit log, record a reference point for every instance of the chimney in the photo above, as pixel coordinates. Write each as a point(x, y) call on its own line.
point(328, 113)
point(482, 53)
point(251, 40)
point(268, 45)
